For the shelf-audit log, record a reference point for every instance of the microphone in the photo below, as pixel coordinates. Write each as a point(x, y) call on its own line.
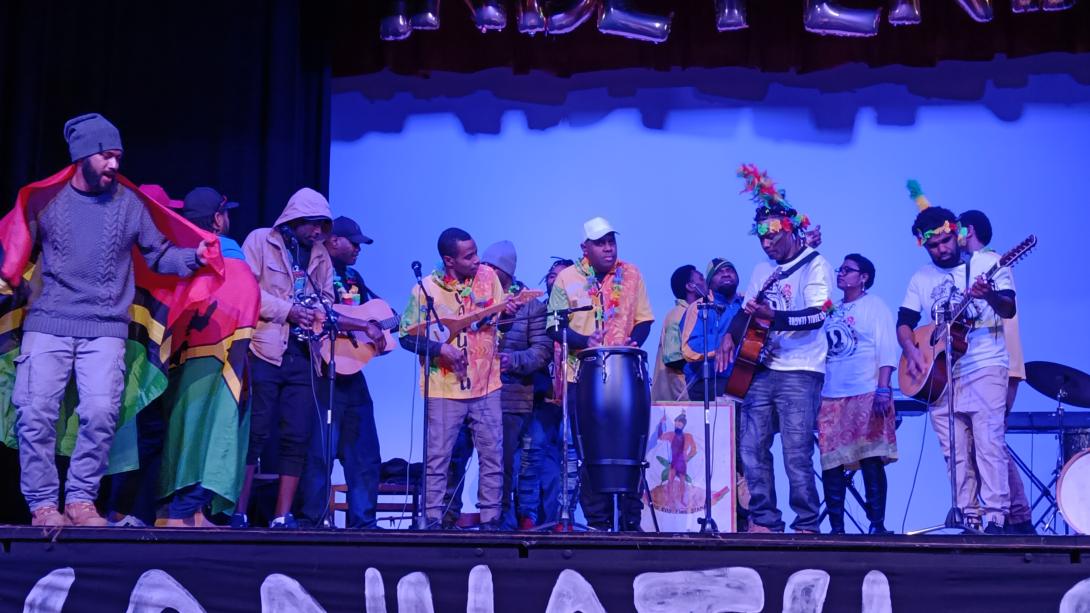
point(416, 269)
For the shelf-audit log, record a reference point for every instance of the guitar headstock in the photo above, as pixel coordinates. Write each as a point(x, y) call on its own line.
point(1019, 251)
point(525, 296)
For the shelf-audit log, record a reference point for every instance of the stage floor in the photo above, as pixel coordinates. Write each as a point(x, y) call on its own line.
point(261, 570)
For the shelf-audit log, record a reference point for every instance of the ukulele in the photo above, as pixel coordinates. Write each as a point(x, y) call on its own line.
point(748, 348)
point(454, 324)
point(930, 384)
point(355, 349)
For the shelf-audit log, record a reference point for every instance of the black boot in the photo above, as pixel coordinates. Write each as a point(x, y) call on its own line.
point(835, 484)
point(874, 486)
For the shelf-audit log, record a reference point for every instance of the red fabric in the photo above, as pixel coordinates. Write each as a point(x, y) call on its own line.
point(180, 295)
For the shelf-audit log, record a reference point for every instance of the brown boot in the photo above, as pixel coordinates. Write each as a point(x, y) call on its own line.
point(84, 514)
point(47, 516)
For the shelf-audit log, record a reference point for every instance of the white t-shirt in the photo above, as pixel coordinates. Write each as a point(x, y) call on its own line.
point(931, 287)
point(862, 338)
point(809, 286)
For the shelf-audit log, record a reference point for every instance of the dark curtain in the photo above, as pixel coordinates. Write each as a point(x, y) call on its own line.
point(233, 95)
point(775, 40)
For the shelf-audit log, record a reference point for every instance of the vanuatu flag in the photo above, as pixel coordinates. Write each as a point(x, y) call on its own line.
point(187, 343)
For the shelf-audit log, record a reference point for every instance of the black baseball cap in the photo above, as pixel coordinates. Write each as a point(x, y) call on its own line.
point(204, 201)
point(343, 226)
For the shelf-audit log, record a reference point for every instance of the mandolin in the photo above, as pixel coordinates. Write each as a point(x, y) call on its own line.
point(454, 324)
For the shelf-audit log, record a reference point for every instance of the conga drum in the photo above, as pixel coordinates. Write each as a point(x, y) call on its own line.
point(610, 418)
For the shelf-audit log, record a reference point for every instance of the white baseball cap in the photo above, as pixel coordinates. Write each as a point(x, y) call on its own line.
point(594, 229)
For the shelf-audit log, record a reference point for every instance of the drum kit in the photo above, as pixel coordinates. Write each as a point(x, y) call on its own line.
point(1071, 478)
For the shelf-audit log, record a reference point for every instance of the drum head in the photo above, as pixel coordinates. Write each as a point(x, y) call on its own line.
point(610, 350)
point(1073, 492)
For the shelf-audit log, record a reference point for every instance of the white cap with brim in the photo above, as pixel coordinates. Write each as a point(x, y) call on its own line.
point(594, 229)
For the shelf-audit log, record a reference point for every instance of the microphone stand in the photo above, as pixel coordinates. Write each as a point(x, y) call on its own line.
point(429, 312)
point(955, 517)
point(707, 524)
point(564, 520)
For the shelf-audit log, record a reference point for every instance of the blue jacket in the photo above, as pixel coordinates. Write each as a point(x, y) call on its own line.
point(718, 327)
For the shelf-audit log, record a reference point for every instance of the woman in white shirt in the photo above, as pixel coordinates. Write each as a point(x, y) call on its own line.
point(856, 419)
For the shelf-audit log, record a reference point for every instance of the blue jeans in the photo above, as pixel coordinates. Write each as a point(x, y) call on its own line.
point(539, 474)
point(792, 399)
point(355, 443)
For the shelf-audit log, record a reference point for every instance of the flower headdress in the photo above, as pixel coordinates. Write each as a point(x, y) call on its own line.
point(916, 193)
point(774, 213)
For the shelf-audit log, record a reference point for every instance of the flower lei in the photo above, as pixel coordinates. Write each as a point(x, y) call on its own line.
point(462, 289)
point(607, 307)
point(946, 228)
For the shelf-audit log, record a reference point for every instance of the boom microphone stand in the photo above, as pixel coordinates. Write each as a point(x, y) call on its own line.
point(564, 521)
point(429, 312)
point(707, 524)
point(955, 517)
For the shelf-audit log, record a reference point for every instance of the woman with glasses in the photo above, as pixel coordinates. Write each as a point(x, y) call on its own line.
point(856, 419)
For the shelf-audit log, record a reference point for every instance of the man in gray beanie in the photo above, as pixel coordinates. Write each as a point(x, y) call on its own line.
point(524, 349)
point(79, 320)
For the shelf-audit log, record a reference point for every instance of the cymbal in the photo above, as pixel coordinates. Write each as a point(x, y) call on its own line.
point(1068, 385)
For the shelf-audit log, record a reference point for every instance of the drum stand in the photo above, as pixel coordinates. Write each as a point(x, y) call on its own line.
point(955, 517)
point(1049, 520)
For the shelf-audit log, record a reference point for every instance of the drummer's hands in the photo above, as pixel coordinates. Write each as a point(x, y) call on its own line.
point(630, 343)
point(453, 359)
point(724, 354)
point(595, 340)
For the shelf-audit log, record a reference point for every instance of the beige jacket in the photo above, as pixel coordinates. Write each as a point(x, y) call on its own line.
point(268, 257)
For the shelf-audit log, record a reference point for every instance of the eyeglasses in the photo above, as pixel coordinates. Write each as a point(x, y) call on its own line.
point(843, 270)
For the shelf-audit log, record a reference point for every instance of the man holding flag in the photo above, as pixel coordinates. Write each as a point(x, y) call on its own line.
point(86, 222)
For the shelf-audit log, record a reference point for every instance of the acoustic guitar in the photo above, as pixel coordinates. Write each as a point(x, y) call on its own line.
point(932, 342)
point(454, 324)
point(355, 349)
point(749, 343)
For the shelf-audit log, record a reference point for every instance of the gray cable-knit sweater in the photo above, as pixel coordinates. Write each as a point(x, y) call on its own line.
point(87, 276)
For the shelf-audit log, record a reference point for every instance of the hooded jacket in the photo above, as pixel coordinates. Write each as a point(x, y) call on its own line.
point(271, 262)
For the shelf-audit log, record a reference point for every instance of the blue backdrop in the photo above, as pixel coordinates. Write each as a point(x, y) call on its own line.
point(529, 158)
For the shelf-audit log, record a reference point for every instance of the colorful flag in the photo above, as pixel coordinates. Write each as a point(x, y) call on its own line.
point(187, 343)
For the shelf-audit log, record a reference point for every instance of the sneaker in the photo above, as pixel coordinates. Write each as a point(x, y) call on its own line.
point(239, 520)
point(84, 514)
point(879, 529)
point(47, 516)
point(804, 531)
point(126, 521)
point(994, 529)
point(526, 524)
point(490, 526)
point(284, 522)
point(561, 528)
point(755, 528)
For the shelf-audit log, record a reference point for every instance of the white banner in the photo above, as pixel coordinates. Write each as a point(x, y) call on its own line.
point(675, 451)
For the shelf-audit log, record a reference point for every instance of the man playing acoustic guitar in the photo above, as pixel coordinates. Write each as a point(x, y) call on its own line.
point(980, 375)
point(790, 296)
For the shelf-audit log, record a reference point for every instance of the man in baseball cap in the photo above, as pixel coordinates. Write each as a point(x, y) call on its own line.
point(207, 209)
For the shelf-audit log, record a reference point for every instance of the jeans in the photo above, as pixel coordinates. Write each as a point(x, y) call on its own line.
point(459, 462)
point(355, 443)
point(514, 429)
point(42, 370)
point(793, 398)
point(539, 473)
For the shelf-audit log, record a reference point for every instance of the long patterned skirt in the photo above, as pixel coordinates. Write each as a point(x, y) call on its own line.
point(849, 431)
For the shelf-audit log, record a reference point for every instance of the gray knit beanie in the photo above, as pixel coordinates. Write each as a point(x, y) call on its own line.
point(90, 134)
point(502, 256)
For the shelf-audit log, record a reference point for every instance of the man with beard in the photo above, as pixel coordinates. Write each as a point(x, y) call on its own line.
point(787, 386)
point(355, 438)
point(80, 319)
point(978, 234)
point(979, 379)
point(464, 373)
point(668, 380)
point(292, 268)
point(723, 284)
point(621, 315)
